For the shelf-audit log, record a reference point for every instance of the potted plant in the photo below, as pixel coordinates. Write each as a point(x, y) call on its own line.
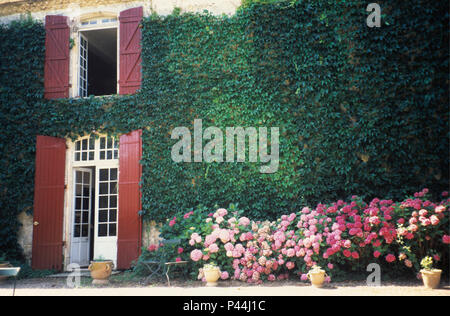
point(431, 277)
point(317, 276)
point(101, 270)
point(212, 274)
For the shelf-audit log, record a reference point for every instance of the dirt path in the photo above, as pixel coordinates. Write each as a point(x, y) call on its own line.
point(58, 287)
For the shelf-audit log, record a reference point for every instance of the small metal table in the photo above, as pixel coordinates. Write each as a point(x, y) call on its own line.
point(10, 272)
point(155, 266)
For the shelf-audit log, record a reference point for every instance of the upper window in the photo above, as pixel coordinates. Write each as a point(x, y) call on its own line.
point(97, 67)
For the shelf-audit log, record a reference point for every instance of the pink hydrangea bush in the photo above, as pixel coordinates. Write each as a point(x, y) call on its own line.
point(342, 234)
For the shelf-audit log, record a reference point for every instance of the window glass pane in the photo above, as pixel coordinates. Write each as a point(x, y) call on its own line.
point(103, 201)
point(103, 188)
point(104, 174)
point(85, 203)
point(86, 191)
point(103, 230)
point(109, 155)
point(84, 156)
point(78, 203)
point(92, 143)
point(113, 201)
point(86, 178)
point(91, 155)
point(112, 230)
point(113, 174)
point(113, 188)
point(102, 155)
point(78, 189)
point(102, 142)
point(103, 216)
point(110, 144)
point(76, 232)
point(86, 217)
point(85, 144)
point(77, 217)
point(77, 156)
point(85, 231)
point(116, 154)
point(113, 215)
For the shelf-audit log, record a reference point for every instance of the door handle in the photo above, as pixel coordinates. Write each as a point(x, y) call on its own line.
point(36, 223)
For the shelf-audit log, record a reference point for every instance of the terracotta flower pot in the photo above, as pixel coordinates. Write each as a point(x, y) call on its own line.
point(317, 277)
point(431, 278)
point(212, 275)
point(101, 271)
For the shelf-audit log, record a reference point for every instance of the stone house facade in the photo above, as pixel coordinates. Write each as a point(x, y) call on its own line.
point(92, 48)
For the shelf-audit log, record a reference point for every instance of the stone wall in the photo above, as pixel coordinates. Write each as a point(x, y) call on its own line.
point(12, 10)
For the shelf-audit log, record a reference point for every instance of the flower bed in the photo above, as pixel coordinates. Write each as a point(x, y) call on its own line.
point(340, 237)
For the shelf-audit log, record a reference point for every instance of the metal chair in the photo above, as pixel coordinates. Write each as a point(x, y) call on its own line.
point(10, 272)
point(162, 267)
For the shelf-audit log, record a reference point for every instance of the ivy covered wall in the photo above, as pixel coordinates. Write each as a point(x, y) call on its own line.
point(360, 110)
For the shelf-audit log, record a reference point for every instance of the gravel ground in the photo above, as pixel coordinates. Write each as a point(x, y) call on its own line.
point(125, 287)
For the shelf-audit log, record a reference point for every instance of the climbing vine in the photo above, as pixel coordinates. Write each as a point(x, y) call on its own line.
point(360, 110)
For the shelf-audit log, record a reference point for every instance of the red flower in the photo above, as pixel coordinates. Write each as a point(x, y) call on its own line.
point(390, 258)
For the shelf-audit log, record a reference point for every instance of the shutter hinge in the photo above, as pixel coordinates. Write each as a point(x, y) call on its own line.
point(64, 243)
point(65, 186)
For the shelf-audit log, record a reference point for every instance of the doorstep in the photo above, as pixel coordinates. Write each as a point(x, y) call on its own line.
point(83, 273)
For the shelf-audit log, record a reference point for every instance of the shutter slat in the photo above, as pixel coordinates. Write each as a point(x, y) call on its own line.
point(130, 50)
point(130, 173)
point(57, 57)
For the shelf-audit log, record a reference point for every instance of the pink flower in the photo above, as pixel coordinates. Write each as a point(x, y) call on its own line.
point(330, 266)
point(304, 277)
point(436, 258)
point(376, 253)
point(290, 265)
point(390, 258)
point(224, 275)
point(222, 212)
point(347, 253)
point(180, 250)
point(244, 221)
point(408, 263)
point(434, 220)
point(196, 255)
point(213, 248)
point(355, 255)
point(178, 259)
point(271, 277)
point(152, 248)
point(446, 239)
point(445, 193)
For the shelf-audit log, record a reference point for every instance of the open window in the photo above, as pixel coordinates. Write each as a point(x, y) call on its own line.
point(97, 67)
point(107, 58)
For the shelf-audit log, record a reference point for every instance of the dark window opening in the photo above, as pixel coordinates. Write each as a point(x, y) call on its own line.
point(101, 72)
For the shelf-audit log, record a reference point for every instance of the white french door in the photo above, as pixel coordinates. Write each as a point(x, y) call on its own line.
point(81, 216)
point(106, 215)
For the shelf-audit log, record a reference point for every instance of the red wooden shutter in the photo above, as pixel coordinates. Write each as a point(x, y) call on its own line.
point(57, 58)
point(49, 203)
point(130, 173)
point(130, 50)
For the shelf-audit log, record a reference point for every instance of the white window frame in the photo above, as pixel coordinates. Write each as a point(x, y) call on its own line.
point(75, 53)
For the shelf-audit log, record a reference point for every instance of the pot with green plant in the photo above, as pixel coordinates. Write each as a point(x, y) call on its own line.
point(212, 274)
point(317, 276)
point(431, 277)
point(101, 270)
